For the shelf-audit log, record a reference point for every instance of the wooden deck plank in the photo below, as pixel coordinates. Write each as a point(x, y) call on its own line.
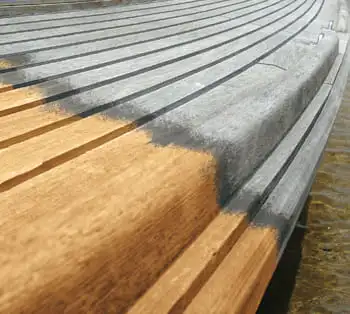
point(81, 13)
point(29, 97)
point(20, 99)
point(175, 289)
point(74, 215)
point(138, 54)
point(133, 19)
point(115, 41)
point(56, 145)
point(74, 39)
point(19, 127)
point(241, 279)
point(106, 15)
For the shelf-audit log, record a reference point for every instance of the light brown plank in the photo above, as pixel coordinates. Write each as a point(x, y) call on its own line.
point(240, 280)
point(4, 64)
point(20, 99)
point(181, 282)
point(26, 124)
point(53, 147)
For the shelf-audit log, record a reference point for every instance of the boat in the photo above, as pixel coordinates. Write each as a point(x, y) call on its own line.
point(156, 155)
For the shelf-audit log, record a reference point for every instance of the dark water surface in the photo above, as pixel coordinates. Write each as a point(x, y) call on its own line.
point(314, 273)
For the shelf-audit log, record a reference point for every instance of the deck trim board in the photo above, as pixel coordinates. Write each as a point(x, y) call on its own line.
point(335, 70)
point(285, 202)
point(256, 190)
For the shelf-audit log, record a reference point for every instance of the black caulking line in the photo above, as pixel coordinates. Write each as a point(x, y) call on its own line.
point(258, 200)
point(110, 62)
point(166, 82)
point(101, 14)
point(273, 65)
point(192, 54)
point(112, 104)
point(6, 185)
point(154, 39)
point(283, 225)
point(126, 25)
point(289, 160)
point(112, 19)
point(255, 204)
point(203, 90)
point(122, 35)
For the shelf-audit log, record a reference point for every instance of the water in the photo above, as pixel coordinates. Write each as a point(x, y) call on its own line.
point(314, 273)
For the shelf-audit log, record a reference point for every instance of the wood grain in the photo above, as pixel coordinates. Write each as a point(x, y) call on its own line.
point(96, 232)
point(51, 146)
point(241, 279)
point(4, 64)
point(185, 277)
point(23, 125)
point(20, 99)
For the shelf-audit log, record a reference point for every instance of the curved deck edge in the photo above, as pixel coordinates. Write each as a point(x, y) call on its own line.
point(286, 201)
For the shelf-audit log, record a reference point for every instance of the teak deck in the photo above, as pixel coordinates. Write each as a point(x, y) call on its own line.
point(155, 157)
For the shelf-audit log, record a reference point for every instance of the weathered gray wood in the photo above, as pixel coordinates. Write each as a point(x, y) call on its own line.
point(114, 13)
point(142, 55)
point(283, 206)
point(36, 9)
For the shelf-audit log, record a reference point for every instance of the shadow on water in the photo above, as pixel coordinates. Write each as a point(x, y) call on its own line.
point(279, 292)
